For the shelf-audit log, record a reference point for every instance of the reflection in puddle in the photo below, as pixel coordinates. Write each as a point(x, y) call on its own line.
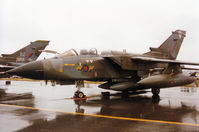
point(188, 89)
point(174, 104)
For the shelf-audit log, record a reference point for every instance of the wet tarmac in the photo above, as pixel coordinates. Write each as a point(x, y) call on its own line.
point(35, 107)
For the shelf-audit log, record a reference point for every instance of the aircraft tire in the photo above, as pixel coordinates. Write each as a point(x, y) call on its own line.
point(156, 99)
point(155, 91)
point(105, 93)
point(79, 94)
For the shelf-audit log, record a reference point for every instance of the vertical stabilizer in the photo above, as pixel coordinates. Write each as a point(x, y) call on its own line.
point(169, 48)
point(30, 52)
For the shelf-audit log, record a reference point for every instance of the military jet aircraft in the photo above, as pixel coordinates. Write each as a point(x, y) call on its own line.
point(24, 55)
point(120, 71)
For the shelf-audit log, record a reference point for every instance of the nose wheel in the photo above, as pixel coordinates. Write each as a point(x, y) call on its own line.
point(78, 94)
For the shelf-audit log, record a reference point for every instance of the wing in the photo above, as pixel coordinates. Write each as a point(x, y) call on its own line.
point(49, 51)
point(146, 63)
point(148, 59)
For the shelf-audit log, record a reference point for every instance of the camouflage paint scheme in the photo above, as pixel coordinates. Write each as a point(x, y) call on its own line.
point(120, 71)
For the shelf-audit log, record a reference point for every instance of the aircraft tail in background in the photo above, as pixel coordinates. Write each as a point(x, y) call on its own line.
point(27, 54)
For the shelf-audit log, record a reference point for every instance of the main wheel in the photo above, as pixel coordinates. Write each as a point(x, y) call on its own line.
point(155, 91)
point(156, 99)
point(105, 94)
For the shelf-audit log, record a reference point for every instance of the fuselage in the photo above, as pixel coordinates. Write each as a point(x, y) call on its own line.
point(119, 72)
point(80, 67)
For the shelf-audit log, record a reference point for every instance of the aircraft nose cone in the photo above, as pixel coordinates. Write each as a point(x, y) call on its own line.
point(32, 70)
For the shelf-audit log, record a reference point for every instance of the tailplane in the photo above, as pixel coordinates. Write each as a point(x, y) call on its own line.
point(169, 48)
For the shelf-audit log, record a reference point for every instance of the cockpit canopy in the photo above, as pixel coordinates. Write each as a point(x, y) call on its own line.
point(73, 52)
point(92, 51)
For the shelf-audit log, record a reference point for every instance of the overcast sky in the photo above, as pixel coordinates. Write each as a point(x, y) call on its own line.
point(134, 25)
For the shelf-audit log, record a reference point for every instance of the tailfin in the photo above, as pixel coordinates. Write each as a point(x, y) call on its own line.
point(29, 53)
point(169, 48)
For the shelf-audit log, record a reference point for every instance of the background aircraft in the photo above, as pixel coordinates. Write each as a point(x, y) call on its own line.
point(121, 71)
point(24, 55)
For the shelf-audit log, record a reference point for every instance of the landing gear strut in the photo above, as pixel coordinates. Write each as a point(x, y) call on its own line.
point(78, 94)
point(155, 91)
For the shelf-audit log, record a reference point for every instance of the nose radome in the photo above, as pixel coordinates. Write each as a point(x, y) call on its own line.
point(32, 70)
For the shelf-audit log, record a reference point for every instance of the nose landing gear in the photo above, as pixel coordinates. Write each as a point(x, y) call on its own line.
point(78, 94)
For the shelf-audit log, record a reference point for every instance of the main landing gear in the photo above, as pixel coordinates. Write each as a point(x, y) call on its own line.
point(78, 94)
point(155, 97)
point(155, 91)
